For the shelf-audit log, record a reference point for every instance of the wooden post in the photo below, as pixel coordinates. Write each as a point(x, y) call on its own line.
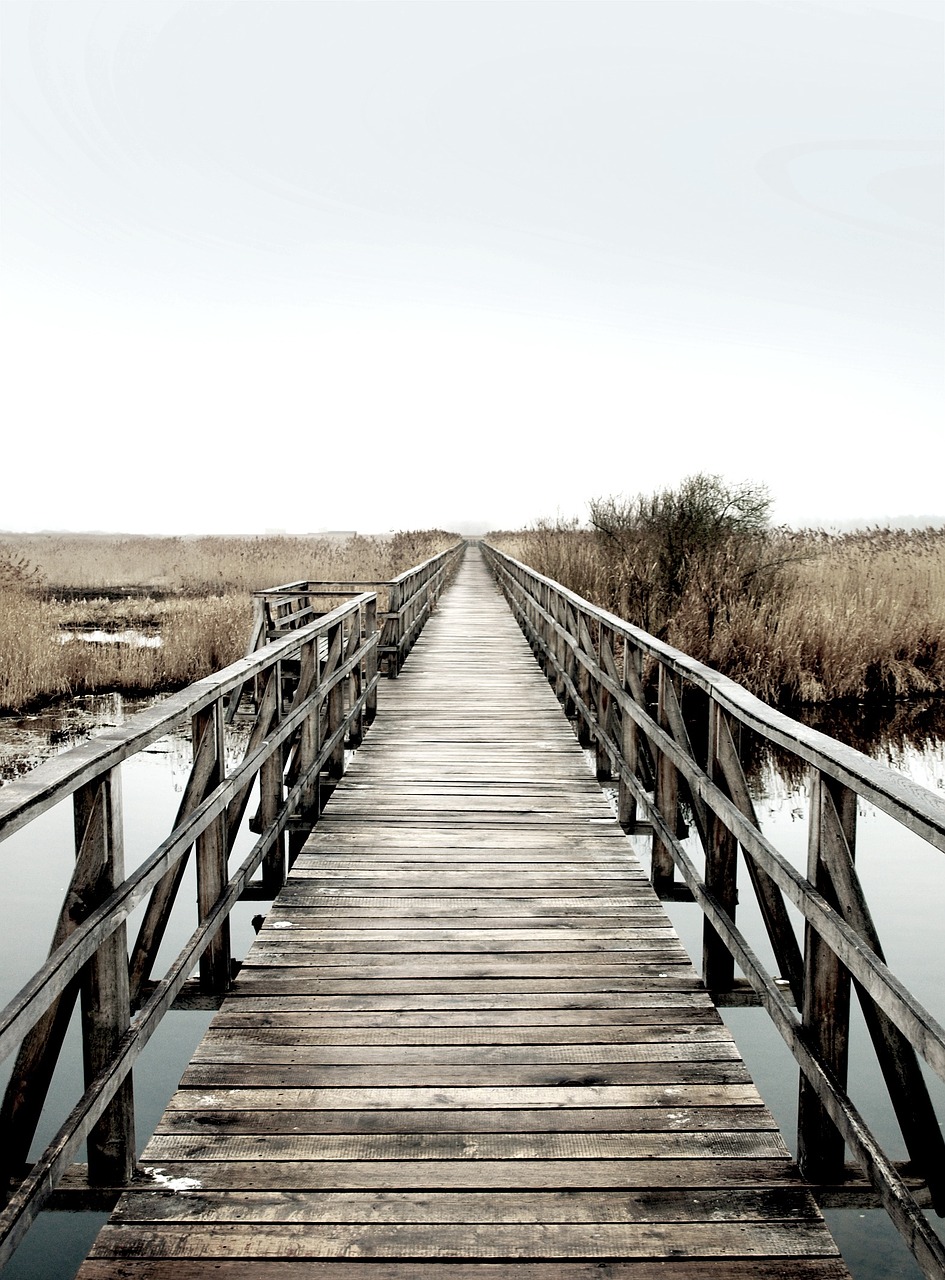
point(393, 629)
point(560, 647)
point(370, 660)
point(336, 707)
point(630, 748)
point(601, 754)
point(662, 867)
point(356, 683)
point(106, 1005)
point(826, 1005)
point(584, 735)
point(721, 870)
point(307, 750)
point(351, 645)
point(212, 859)
point(569, 622)
point(271, 802)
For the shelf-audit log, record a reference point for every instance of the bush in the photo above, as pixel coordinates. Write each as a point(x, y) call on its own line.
point(682, 559)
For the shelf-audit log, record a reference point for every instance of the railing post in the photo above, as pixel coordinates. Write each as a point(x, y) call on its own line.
point(307, 750)
point(106, 1004)
point(336, 707)
point(584, 735)
point(271, 802)
point(212, 862)
point(630, 751)
point(603, 706)
point(662, 867)
point(560, 649)
point(370, 660)
point(393, 629)
point(826, 1004)
point(721, 870)
point(356, 683)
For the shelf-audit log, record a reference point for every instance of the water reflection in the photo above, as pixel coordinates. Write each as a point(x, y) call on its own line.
point(904, 882)
point(38, 862)
point(27, 740)
point(133, 639)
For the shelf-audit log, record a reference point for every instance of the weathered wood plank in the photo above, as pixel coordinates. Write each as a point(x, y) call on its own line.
point(466, 1042)
point(560, 1269)
point(211, 1120)
point(502, 1240)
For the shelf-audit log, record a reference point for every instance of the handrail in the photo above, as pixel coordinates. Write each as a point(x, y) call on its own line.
point(316, 693)
point(408, 601)
point(641, 704)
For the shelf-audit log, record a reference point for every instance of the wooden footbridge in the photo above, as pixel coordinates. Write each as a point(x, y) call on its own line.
point(467, 1040)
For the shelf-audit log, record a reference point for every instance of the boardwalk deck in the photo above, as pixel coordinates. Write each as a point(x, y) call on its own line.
point(467, 1041)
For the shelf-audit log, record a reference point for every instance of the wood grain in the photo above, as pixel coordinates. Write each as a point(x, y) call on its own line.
point(467, 1042)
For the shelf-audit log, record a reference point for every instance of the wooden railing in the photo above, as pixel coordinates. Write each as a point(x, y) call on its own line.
point(669, 730)
point(315, 693)
point(405, 604)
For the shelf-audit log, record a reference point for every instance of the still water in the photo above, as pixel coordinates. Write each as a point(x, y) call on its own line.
point(36, 867)
point(904, 882)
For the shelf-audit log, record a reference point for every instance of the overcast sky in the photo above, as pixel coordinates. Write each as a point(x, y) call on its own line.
point(376, 265)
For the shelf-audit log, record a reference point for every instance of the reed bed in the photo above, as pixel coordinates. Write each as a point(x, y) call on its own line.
point(202, 608)
point(200, 566)
point(857, 617)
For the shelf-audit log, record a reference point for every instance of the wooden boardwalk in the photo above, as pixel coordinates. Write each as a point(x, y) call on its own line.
point(467, 1041)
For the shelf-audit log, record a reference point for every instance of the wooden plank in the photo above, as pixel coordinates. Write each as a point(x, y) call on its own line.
point(781, 1203)
point(560, 1269)
point(467, 1041)
point(502, 1240)
point(211, 1120)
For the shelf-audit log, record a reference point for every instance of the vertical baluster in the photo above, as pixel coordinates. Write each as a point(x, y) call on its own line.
point(272, 800)
point(667, 798)
point(826, 1004)
point(212, 863)
point(393, 629)
point(370, 659)
point(557, 609)
point(307, 750)
point(584, 685)
point(569, 621)
point(356, 682)
point(601, 753)
point(106, 1005)
point(721, 870)
point(629, 749)
point(336, 706)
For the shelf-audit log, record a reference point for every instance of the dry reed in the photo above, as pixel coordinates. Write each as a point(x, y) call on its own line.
point(203, 614)
point(859, 616)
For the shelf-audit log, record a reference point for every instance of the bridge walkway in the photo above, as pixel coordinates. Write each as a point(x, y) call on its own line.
point(467, 1041)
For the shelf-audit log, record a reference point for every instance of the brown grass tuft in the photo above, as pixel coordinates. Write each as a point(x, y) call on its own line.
point(195, 592)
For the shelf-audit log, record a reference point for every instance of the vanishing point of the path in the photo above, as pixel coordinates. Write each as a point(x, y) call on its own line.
point(467, 1041)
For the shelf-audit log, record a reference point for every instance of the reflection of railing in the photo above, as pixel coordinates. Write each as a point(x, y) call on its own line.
point(316, 691)
point(405, 604)
point(609, 674)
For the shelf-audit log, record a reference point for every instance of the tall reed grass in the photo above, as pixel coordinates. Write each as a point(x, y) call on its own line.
point(200, 566)
point(858, 616)
point(203, 614)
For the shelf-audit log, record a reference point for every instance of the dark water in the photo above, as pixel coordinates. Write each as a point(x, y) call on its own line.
point(904, 882)
point(37, 864)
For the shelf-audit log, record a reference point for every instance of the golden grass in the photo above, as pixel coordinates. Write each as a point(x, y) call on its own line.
point(214, 565)
point(204, 620)
point(859, 616)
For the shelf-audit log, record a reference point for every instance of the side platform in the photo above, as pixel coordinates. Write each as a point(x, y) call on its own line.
point(467, 1041)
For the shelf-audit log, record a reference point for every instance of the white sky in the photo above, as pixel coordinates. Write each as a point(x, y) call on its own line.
point(376, 265)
